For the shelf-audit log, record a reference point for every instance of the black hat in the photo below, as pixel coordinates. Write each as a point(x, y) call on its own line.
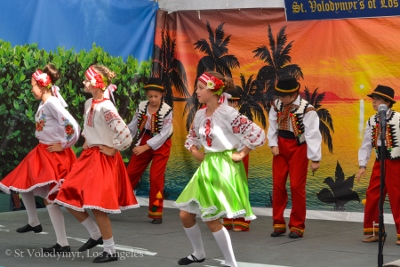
point(154, 84)
point(385, 92)
point(286, 85)
point(235, 95)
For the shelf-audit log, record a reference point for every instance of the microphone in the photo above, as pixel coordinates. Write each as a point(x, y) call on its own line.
point(382, 109)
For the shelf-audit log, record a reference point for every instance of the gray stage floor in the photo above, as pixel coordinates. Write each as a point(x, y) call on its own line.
point(326, 243)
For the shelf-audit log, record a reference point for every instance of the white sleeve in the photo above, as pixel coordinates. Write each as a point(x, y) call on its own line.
point(193, 138)
point(364, 153)
point(122, 138)
point(70, 127)
point(249, 133)
point(158, 140)
point(133, 124)
point(272, 134)
point(312, 135)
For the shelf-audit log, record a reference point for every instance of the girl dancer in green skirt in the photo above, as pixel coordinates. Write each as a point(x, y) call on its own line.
point(219, 186)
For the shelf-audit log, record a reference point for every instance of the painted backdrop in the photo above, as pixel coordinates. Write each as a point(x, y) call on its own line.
point(337, 62)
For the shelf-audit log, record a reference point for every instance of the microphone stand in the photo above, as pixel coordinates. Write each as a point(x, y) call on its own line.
point(382, 153)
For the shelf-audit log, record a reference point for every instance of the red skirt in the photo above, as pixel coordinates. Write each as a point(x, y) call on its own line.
point(38, 170)
point(97, 181)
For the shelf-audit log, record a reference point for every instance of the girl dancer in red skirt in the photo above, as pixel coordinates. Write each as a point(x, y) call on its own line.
point(98, 180)
point(51, 160)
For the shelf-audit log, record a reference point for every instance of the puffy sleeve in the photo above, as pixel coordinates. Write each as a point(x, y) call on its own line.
point(249, 133)
point(193, 138)
point(364, 153)
point(158, 140)
point(69, 125)
point(312, 135)
point(122, 138)
point(272, 134)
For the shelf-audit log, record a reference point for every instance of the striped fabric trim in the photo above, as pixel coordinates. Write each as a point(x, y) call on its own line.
point(297, 230)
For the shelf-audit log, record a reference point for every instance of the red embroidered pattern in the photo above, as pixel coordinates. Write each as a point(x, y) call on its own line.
point(208, 132)
point(240, 124)
point(192, 132)
point(111, 115)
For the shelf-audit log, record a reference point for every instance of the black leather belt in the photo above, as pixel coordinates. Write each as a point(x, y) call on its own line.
point(286, 134)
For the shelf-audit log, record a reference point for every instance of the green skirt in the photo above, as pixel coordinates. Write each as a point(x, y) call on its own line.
point(217, 189)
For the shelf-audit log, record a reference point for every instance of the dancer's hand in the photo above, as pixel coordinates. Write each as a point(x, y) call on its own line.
point(314, 166)
point(197, 154)
point(55, 147)
point(275, 150)
point(109, 151)
point(140, 149)
point(361, 173)
point(238, 156)
point(85, 146)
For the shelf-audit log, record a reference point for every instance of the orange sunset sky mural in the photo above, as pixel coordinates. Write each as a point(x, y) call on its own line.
point(345, 59)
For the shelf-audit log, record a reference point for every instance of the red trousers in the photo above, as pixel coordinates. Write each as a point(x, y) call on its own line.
point(292, 160)
point(239, 223)
point(138, 164)
point(392, 188)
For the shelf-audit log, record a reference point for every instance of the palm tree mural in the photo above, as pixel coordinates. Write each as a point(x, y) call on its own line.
point(216, 59)
point(340, 190)
point(248, 104)
point(277, 61)
point(169, 69)
point(325, 118)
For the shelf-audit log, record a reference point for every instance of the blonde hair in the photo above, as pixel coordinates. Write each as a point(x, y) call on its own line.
point(105, 72)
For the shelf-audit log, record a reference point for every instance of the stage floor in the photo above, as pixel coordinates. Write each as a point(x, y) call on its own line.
point(142, 244)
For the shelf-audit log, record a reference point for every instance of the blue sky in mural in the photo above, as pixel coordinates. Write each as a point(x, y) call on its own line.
point(122, 28)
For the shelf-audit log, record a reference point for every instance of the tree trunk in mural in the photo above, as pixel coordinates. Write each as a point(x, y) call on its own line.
point(216, 59)
point(169, 69)
point(277, 61)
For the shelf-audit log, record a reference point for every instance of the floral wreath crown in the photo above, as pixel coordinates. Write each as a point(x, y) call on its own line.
point(96, 79)
point(212, 83)
point(43, 79)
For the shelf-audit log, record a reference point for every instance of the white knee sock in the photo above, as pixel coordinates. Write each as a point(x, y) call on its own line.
point(30, 205)
point(224, 243)
point(92, 228)
point(194, 235)
point(57, 219)
point(109, 245)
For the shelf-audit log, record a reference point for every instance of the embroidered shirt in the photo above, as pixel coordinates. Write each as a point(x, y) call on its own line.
point(104, 126)
point(158, 124)
point(372, 137)
point(310, 134)
point(54, 124)
point(225, 129)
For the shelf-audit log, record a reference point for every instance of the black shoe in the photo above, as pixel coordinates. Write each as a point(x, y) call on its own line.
point(57, 249)
point(157, 221)
point(105, 257)
point(186, 260)
point(91, 243)
point(28, 228)
point(276, 233)
point(294, 235)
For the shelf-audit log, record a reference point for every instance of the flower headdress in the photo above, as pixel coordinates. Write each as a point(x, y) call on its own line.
point(95, 78)
point(212, 83)
point(43, 79)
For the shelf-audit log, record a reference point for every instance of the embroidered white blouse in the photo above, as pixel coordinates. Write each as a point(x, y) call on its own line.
point(311, 132)
point(159, 139)
point(104, 126)
point(54, 124)
point(225, 129)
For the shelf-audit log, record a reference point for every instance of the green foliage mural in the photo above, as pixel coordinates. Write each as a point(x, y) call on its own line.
point(18, 106)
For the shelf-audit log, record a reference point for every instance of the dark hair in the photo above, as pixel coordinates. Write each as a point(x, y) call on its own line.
point(52, 71)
